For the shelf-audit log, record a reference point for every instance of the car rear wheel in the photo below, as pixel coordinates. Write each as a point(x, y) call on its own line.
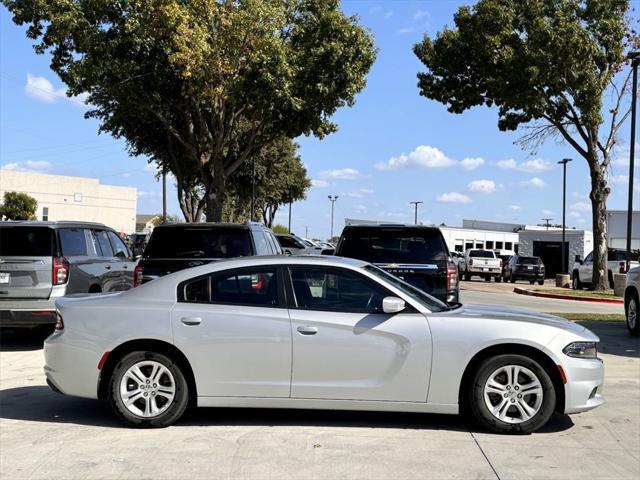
point(512, 278)
point(148, 390)
point(512, 394)
point(541, 281)
point(631, 311)
point(576, 284)
point(498, 279)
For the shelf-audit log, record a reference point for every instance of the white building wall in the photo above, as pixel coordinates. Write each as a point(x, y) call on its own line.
point(459, 239)
point(75, 198)
point(617, 229)
point(580, 241)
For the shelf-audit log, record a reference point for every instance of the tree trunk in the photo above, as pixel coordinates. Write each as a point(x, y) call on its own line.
point(215, 187)
point(598, 196)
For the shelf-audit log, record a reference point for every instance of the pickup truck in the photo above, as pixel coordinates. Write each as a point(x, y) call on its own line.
point(582, 271)
point(482, 263)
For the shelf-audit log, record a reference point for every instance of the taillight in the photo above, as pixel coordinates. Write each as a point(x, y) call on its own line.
point(60, 273)
point(137, 276)
point(500, 263)
point(59, 322)
point(452, 276)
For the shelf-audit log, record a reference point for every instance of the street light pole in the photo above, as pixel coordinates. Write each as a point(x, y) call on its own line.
point(253, 187)
point(416, 211)
point(164, 196)
point(564, 162)
point(635, 57)
point(290, 202)
point(333, 199)
point(547, 220)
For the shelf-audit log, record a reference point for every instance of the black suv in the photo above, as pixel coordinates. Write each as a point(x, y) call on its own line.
point(417, 254)
point(183, 245)
point(524, 268)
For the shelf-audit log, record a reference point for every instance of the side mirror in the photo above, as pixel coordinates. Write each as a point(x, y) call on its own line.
point(578, 259)
point(392, 305)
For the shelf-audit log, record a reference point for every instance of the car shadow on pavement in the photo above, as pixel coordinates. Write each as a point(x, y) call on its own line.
point(614, 338)
point(39, 404)
point(22, 339)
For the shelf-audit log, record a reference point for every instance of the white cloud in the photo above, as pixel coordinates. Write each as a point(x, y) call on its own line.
point(341, 174)
point(534, 182)
point(453, 197)
point(404, 30)
point(420, 15)
point(581, 207)
point(42, 89)
point(147, 194)
point(472, 163)
point(530, 166)
point(151, 168)
point(515, 207)
point(547, 212)
point(28, 166)
point(360, 208)
point(319, 183)
point(360, 193)
point(424, 156)
point(482, 186)
point(574, 214)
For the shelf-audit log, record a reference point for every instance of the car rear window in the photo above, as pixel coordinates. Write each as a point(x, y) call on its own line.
point(621, 255)
point(482, 254)
point(26, 241)
point(199, 243)
point(394, 245)
point(528, 260)
point(73, 242)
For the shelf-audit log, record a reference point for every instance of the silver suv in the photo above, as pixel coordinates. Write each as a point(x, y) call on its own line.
point(43, 261)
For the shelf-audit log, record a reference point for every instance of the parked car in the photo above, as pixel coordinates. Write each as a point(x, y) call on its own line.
point(482, 263)
point(505, 261)
point(177, 246)
point(327, 248)
point(524, 268)
point(294, 245)
point(415, 253)
point(138, 242)
point(582, 271)
point(43, 261)
point(631, 301)
point(319, 333)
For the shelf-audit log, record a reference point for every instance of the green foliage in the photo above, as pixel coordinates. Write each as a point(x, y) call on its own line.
point(280, 177)
point(18, 206)
point(201, 86)
point(546, 65)
point(277, 228)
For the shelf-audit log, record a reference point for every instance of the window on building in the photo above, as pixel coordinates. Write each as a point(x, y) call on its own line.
point(479, 245)
point(489, 244)
point(45, 214)
point(499, 245)
point(468, 245)
point(508, 245)
point(77, 197)
point(459, 248)
point(515, 247)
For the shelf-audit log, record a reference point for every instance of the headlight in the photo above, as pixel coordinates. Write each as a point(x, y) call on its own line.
point(581, 350)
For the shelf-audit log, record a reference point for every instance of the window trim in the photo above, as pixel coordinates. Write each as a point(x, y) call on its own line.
point(113, 247)
point(292, 301)
point(282, 297)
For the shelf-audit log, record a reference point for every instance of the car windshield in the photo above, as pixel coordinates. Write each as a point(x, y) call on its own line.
point(26, 241)
point(199, 243)
point(433, 304)
point(482, 254)
point(394, 245)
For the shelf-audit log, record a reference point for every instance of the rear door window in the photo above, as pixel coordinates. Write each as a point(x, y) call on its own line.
point(73, 242)
point(262, 248)
point(118, 245)
point(104, 246)
point(26, 242)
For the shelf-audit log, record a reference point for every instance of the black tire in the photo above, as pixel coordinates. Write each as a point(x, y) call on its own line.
point(487, 278)
point(541, 282)
point(480, 410)
point(576, 284)
point(177, 405)
point(631, 303)
point(467, 276)
point(531, 282)
point(512, 278)
point(498, 279)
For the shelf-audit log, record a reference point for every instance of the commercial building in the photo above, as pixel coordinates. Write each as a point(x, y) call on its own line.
point(75, 198)
point(617, 229)
point(547, 244)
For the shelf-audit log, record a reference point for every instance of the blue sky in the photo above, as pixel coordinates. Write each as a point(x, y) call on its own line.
point(391, 148)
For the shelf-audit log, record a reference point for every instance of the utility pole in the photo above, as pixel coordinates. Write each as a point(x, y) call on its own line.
point(333, 199)
point(564, 162)
point(290, 201)
point(164, 196)
point(416, 211)
point(547, 220)
point(253, 187)
point(635, 57)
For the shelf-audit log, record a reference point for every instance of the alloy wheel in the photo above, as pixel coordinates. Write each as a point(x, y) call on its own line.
point(632, 314)
point(147, 389)
point(513, 394)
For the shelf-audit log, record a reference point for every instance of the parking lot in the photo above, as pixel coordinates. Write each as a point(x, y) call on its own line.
point(46, 435)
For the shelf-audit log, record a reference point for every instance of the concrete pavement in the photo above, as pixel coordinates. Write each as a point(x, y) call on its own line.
point(46, 435)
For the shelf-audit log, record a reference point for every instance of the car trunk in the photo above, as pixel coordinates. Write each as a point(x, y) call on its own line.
point(431, 278)
point(26, 262)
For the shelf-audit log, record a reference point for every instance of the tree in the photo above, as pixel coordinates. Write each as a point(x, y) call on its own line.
point(18, 206)
point(545, 64)
point(157, 219)
point(201, 86)
point(280, 178)
point(277, 228)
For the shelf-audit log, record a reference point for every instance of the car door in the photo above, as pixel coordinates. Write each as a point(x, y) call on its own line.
point(123, 264)
point(108, 276)
point(586, 269)
point(234, 328)
point(345, 348)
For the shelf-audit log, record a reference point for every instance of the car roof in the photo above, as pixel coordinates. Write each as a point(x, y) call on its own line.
point(210, 225)
point(52, 224)
point(391, 226)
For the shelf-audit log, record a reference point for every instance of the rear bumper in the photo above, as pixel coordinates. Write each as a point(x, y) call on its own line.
point(27, 313)
point(485, 271)
point(529, 275)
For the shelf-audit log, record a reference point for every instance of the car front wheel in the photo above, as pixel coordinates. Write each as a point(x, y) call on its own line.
point(512, 394)
point(631, 312)
point(148, 390)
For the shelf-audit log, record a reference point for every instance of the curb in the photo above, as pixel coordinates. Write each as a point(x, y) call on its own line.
point(522, 291)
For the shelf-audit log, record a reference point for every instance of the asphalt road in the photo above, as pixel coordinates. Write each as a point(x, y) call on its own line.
point(44, 435)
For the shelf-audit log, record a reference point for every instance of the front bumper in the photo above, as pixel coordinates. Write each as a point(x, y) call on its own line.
point(585, 381)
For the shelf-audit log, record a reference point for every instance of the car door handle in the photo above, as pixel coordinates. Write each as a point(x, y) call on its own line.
point(191, 321)
point(108, 267)
point(307, 330)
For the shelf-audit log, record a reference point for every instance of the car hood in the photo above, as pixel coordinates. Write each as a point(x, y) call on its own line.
point(518, 315)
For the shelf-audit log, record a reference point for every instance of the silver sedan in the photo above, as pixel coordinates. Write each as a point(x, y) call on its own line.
point(316, 333)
